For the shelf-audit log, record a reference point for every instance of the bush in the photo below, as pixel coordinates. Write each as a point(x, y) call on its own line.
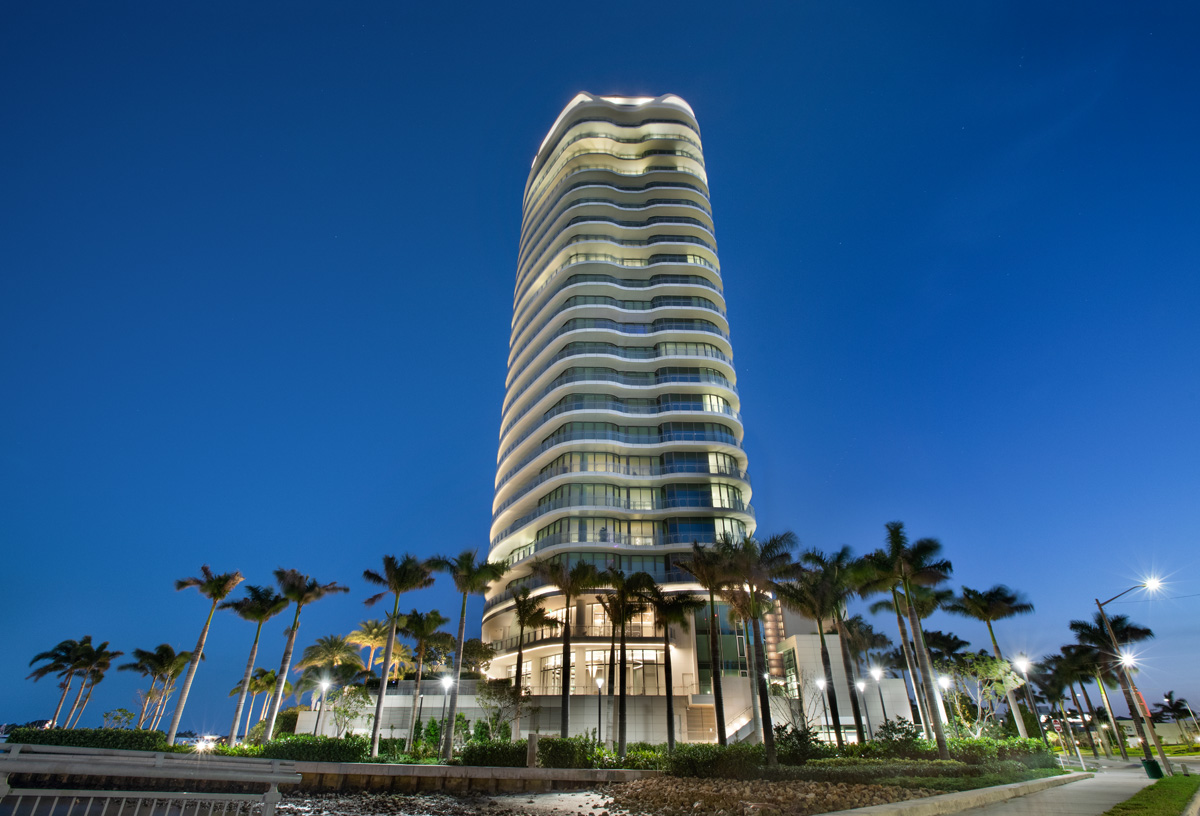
point(572, 752)
point(1031, 753)
point(122, 739)
point(285, 721)
point(795, 746)
point(738, 761)
point(869, 771)
point(307, 748)
point(243, 750)
point(972, 751)
point(497, 753)
point(642, 759)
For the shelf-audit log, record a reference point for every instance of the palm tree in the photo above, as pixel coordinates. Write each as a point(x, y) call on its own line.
point(61, 661)
point(301, 590)
point(323, 659)
point(990, 605)
point(471, 577)
point(759, 568)
point(863, 639)
point(152, 665)
point(370, 635)
point(98, 663)
point(1075, 667)
point(528, 613)
point(1095, 634)
point(259, 606)
point(709, 568)
point(1171, 709)
point(571, 582)
point(625, 600)
point(263, 682)
point(215, 588)
point(812, 595)
point(944, 647)
point(902, 567)
point(171, 665)
point(81, 660)
point(670, 610)
point(399, 576)
point(422, 628)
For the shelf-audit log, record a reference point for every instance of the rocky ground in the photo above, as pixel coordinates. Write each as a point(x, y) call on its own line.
point(659, 796)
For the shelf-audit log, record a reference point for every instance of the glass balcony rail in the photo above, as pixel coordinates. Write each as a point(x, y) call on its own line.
point(634, 688)
point(570, 172)
point(607, 540)
point(619, 407)
point(670, 576)
point(639, 139)
point(650, 471)
point(635, 283)
point(633, 631)
point(604, 324)
point(566, 165)
point(430, 686)
point(637, 379)
point(523, 262)
point(622, 438)
point(536, 231)
point(524, 268)
point(614, 503)
point(598, 349)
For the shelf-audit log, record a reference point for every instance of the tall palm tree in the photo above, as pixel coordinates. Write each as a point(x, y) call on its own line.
point(61, 661)
point(1172, 708)
point(863, 639)
point(670, 610)
point(471, 577)
point(81, 660)
point(259, 606)
point(812, 595)
point(904, 567)
point(1091, 664)
point(215, 588)
point(423, 629)
point(709, 568)
point(263, 682)
point(98, 663)
point(324, 658)
point(399, 575)
point(1095, 634)
point(759, 567)
point(173, 665)
point(301, 590)
point(894, 603)
point(625, 599)
point(840, 573)
point(990, 605)
point(528, 613)
point(1075, 667)
point(154, 665)
point(371, 635)
point(571, 582)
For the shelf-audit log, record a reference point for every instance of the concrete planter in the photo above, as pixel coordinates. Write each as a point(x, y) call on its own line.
point(369, 776)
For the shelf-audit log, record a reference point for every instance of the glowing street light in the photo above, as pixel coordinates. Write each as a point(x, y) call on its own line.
point(599, 708)
point(877, 675)
point(1127, 661)
point(861, 685)
point(447, 682)
point(321, 710)
point(824, 707)
point(1022, 664)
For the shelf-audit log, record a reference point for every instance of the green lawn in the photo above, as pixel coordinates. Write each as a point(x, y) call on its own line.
point(1166, 797)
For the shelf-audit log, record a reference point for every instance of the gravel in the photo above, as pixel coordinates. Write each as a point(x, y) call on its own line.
point(388, 804)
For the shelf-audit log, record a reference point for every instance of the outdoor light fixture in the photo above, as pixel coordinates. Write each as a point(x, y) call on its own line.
point(944, 682)
point(860, 685)
point(877, 673)
point(821, 683)
point(1022, 664)
point(599, 708)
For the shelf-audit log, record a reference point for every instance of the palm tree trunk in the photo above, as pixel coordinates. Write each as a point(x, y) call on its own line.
point(371, 662)
point(935, 716)
point(912, 664)
point(412, 719)
point(764, 699)
point(516, 731)
point(621, 700)
point(848, 668)
point(612, 678)
point(237, 712)
point(250, 712)
point(1009, 695)
point(758, 727)
point(670, 687)
point(1118, 736)
point(1086, 729)
point(66, 686)
point(1135, 713)
point(377, 725)
point(1087, 700)
point(448, 750)
point(281, 680)
point(86, 699)
point(714, 648)
point(193, 664)
point(75, 704)
point(565, 671)
point(145, 704)
point(830, 693)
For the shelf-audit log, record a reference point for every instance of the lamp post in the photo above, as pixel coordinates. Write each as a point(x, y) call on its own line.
point(321, 710)
point(944, 684)
point(447, 682)
point(861, 685)
point(599, 709)
point(1141, 716)
point(824, 708)
point(877, 674)
point(1022, 664)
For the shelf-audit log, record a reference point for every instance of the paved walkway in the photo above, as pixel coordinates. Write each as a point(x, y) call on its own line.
point(1088, 797)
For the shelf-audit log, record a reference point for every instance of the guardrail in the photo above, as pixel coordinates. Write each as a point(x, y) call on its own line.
point(94, 771)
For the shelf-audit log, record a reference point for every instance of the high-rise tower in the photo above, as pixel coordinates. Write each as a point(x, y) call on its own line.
point(620, 436)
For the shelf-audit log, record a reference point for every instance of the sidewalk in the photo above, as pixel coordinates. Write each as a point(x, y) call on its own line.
point(1088, 797)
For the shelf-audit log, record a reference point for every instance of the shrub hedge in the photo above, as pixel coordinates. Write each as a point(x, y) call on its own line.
point(307, 748)
point(121, 739)
point(496, 753)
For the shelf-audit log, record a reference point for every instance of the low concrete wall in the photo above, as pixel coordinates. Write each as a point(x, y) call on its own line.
point(369, 776)
point(948, 803)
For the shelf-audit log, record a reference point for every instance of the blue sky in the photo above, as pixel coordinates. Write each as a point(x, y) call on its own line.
point(256, 269)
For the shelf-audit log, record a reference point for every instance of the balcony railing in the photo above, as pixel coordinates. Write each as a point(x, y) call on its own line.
point(671, 576)
point(532, 636)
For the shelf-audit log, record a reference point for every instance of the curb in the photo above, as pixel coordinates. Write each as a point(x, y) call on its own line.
point(1192, 808)
point(964, 800)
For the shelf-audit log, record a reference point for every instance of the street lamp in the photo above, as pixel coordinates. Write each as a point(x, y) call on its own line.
point(599, 709)
point(1022, 664)
point(1127, 662)
point(447, 682)
point(824, 707)
point(861, 685)
point(877, 674)
point(321, 710)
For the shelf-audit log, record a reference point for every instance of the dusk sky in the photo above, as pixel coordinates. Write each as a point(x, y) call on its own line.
point(257, 263)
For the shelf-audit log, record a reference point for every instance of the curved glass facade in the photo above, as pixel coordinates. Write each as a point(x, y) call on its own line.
point(621, 433)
